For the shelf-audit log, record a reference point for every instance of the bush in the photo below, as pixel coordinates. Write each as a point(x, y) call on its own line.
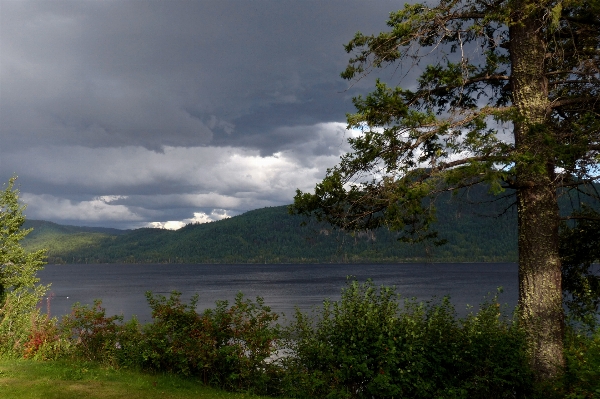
point(582, 375)
point(367, 345)
point(96, 337)
point(370, 344)
point(179, 339)
point(225, 346)
point(45, 341)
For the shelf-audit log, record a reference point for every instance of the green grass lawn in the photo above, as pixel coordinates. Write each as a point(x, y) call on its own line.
point(25, 379)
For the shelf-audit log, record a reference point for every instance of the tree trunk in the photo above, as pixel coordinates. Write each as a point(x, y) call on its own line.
point(540, 292)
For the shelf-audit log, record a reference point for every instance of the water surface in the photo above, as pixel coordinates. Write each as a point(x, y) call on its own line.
point(122, 286)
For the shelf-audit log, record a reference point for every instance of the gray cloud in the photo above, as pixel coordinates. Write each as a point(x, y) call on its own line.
point(67, 183)
point(182, 107)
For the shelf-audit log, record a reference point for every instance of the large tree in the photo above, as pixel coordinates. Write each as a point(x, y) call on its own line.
point(508, 95)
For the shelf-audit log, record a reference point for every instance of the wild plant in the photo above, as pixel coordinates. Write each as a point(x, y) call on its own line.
point(94, 335)
point(368, 345)
point(226, 346)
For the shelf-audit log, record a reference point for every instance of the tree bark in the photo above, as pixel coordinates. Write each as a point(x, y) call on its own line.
point(540, 292)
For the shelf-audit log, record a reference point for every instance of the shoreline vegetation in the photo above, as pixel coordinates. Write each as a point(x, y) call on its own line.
point(370, 343)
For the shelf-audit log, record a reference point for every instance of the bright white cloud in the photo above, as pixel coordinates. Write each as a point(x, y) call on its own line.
point(199, 218)
point(163, 188)
point(169, 225)
point(208, 169)
point(122, 115)
point(111, 198)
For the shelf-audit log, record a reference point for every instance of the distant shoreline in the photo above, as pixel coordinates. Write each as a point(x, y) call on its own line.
point(287, 263)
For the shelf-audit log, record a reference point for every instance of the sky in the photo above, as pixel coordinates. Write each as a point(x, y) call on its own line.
point(132, 114)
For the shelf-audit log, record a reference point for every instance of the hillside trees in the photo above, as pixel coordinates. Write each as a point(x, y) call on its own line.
point(508, 95)
point(19, 288)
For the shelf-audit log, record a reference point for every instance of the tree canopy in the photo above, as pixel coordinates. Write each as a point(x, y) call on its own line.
point(508, 95)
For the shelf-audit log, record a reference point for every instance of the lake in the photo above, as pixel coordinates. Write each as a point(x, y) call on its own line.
point(122, 286)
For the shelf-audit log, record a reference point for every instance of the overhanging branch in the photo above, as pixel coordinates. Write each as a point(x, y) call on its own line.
point(492, 158)
point(572, 101)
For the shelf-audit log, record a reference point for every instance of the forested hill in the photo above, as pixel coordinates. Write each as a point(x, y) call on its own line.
point(271, 235)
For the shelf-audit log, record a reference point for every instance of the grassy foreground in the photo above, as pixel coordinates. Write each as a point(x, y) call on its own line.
point(26, 379)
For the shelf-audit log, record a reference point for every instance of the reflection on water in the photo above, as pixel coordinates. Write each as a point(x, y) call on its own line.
point(122, 287)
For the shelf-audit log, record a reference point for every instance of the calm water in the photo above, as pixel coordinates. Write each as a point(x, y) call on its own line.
point(122, 287)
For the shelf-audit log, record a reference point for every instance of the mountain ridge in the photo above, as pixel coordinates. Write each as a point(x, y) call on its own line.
point(271, 235)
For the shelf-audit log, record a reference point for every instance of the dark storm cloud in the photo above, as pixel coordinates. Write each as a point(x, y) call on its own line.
point(240, 100)
point(176, 73)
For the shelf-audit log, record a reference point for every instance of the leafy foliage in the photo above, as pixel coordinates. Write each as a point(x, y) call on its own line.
point(19, 288)
point(368, 345)
point(44, 342)
point(227, 346)
point(582, 376)
point(98, 337)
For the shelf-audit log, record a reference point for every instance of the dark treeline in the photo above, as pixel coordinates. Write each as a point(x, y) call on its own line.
point(482, 228)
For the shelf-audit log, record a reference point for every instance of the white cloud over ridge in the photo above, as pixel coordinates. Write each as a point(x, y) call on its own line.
point(199, 218)
point(138, 187)
point(121, 114)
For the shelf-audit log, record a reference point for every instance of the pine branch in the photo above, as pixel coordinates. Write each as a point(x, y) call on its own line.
point(444, 89)
point(588, 20)
point(449, 165)
point(571, 101)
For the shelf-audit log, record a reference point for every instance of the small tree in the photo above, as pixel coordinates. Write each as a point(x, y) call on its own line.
point(19, 288)
point(509, 95)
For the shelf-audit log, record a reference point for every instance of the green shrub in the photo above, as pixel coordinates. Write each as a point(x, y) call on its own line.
point(582, 374)
point(179, 339)
point(94, 336)
point(367, 345)
point(225, 346)
point(491, 360)
point(246, 336)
